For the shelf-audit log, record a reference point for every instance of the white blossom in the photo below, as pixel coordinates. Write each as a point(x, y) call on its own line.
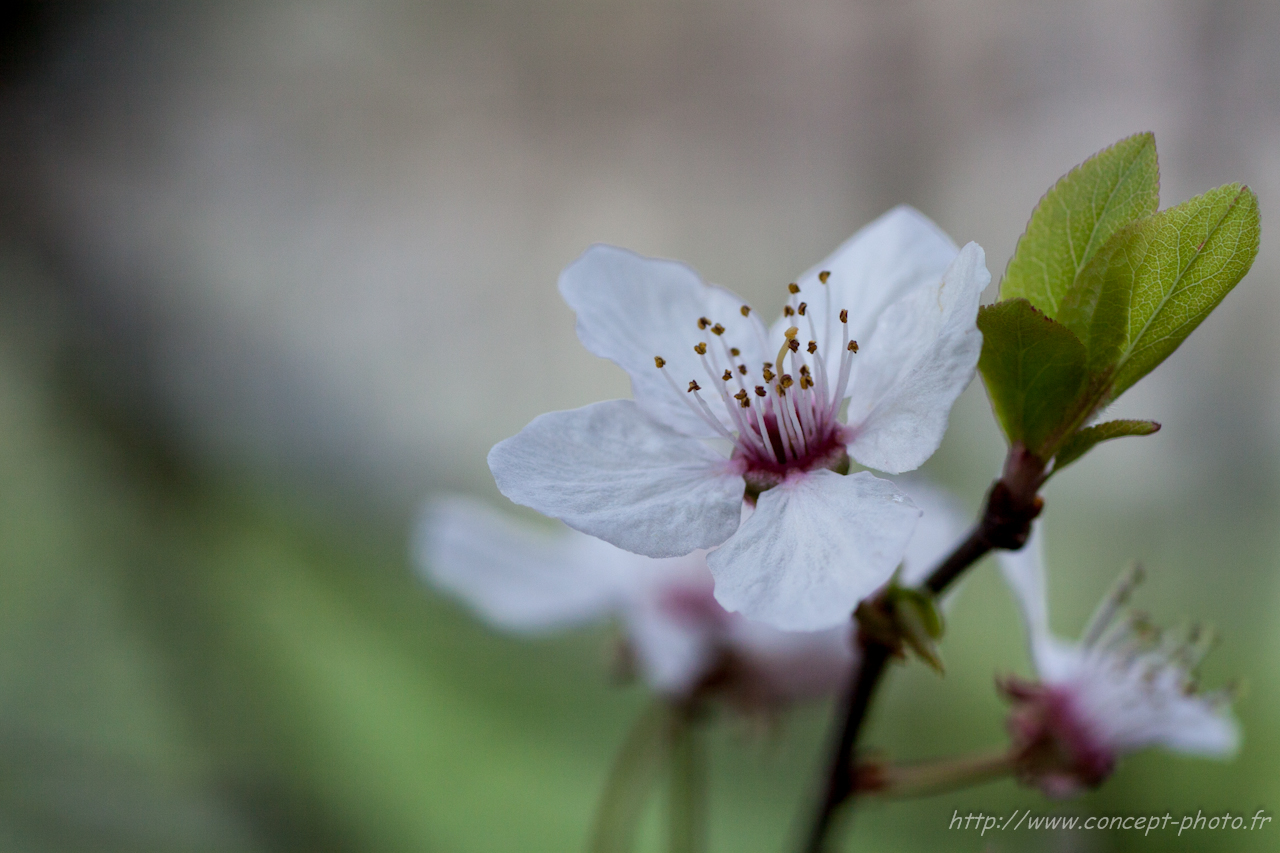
point(1123, 687)
point(527, 580)
point(884, 329)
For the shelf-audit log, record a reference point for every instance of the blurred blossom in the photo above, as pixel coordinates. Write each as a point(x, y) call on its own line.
point(1123, 687)
point(685, 644)
point(638, 474)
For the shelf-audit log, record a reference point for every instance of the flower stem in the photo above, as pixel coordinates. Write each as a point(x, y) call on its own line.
point(1011, 505)
point(920, 779)
point(688, 787)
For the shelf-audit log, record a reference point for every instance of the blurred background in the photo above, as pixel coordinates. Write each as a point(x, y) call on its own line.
point(273, 273)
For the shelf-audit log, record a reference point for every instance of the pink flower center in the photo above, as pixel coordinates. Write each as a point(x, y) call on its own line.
point(782, 415)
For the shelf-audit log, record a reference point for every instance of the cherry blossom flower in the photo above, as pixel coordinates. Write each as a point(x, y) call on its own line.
point(682, 641)
point(1125, 686)
point(883, 331)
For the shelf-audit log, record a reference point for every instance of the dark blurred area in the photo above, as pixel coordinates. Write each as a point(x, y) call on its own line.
point(273, 273)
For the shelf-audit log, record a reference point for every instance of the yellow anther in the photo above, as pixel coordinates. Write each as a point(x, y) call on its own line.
point(717, 329)
point(727, 376)
point(800, 309)
point(793, 287)
point(824, 275)
point(742, 368)
point(700, 348)
point(844, 315)
point(760, 392)
point(703, 322)
point(813, 347)
point(786, 381)
point(694, 386)
point(735, 352)
point(787, 311)
point(804, 370)
point(660, 361)
point(768, 375)
point(744, 403)
point(745, 309)
point(853, 346)
point(741, 395)
point(793, 345)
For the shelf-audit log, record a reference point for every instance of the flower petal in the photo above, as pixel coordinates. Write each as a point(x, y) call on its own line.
point(939, 531)
point(1200, 726)
point(515, 576)
point(1055, 660)
point(816, 545)
point(923, 353)
point(784, 667)
point(632, 308)
point(885, 260)
point(610, 471)
point(673, 654)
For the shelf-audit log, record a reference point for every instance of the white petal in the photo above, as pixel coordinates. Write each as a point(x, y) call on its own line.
point(887, 259)
point(923, 353)
point(792, 666)
point(610, 471)
point(631, 308)
point(941, 528)
point(1201, 727)
point(816, 545)
point(1023, 570)
point(674, 623)
point(515, 576)
point(672, 654)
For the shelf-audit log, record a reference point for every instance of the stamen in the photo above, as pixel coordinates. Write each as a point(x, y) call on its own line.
point(717, 329)
point(700, 348)
point(660, 361)
point(735, 352)
point(793, 287)
point(694, 386)
point(812, 348)
point(742, 368)
point(745, 309)
point(710, 416)
point(703, 323)
point(701, 410)
point(824, 275)
point(788, 311)
point(801, 308)
point(846, 365)
point(748, 438)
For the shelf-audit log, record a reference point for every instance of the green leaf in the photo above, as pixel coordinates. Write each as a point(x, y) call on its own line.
point(1034, 370)
point(1096, 306)
point(1077, 217)
point(1180, 263)
point(1084, 440)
